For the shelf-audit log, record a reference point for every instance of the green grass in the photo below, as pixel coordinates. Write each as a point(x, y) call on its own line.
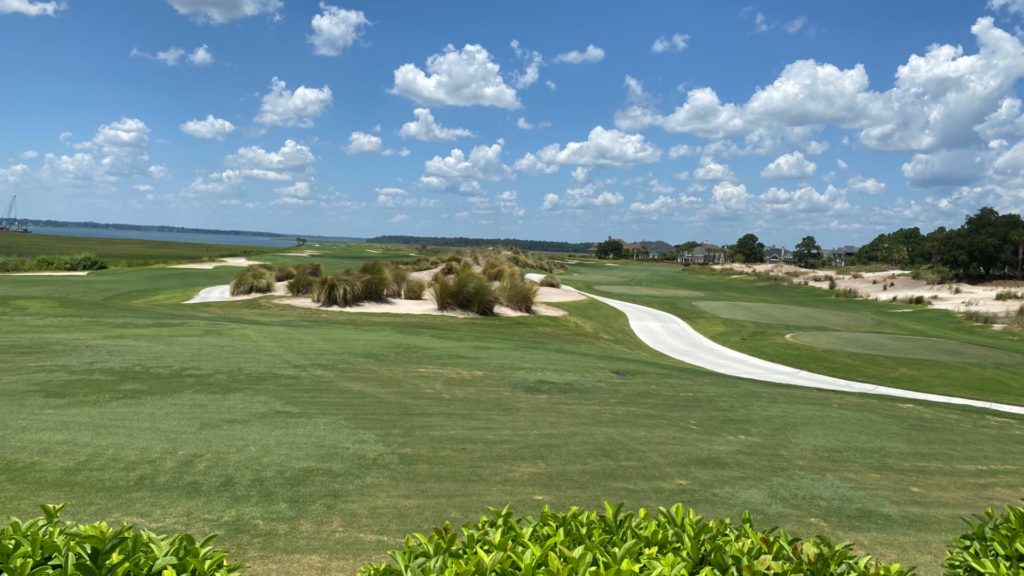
point(120, 252)
point(755, 317)
point(905, 347)
point(314, 441)
point(648, 291)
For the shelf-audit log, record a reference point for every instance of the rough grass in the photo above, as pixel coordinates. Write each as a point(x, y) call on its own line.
point(252, 280)
point(414, 289)
point(338, 290)
point(551, 281)
point(301, 285)
point(119, 252)
point(784, 314)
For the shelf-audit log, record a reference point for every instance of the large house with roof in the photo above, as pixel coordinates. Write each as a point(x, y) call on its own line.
point(650, 250)
point(838, 257)
point(776, 255)
point(705, 253)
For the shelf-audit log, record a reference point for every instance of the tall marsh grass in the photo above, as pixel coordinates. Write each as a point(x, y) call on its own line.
point(517, 293)
point(252, 280)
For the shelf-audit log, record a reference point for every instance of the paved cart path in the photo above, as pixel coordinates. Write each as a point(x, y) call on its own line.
point(671, 336)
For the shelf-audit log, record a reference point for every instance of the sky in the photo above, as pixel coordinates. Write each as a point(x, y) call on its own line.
point(571, 120)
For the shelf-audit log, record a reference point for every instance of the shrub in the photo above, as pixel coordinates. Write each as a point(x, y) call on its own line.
point(50, 545)
point(977, 317)
point(847, 293)
point(580, 542)
point(832, 285)
point(1009, 295)
point(414, 289)
point(12, 264)
point(301, 285)
point(83, 261)
point(337, 290)
point(994, 544)
point(918, 300)
point(517, 293)
point(551, 281)
point(284, 273)
point(252, 280)
point(1018, 318)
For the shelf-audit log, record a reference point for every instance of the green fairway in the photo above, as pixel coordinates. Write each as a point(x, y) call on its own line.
point(313, 442)
point(904, 347)
point(780, 314)
point(647, 291)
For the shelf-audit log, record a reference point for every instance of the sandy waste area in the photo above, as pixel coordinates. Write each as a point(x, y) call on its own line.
point(240, 262)
point(887, 284)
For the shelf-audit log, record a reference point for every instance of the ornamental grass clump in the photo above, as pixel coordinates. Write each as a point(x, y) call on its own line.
point(473, 293)
point(284, 273)
point(671, 541)
point(442, 291)
point(51, 546)
point(377, 281)
point(313, 269)
point(414, 289)
point(551, 281)
point(301, 285)
point(993, 545)
point(337, 290)
point(517, 293)
point(253, 280)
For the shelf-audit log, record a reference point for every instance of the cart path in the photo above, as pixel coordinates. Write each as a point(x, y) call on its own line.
point(671, 336)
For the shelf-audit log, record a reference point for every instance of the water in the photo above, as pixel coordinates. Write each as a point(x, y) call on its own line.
point(235, 239)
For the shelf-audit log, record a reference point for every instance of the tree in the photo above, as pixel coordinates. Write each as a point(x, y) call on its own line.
point(300, 241)
point(610, 248)
point(1017, 237)
point(750, 248)
point(807, 253)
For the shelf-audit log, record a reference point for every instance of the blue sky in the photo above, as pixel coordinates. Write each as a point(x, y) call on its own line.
point(570, 120)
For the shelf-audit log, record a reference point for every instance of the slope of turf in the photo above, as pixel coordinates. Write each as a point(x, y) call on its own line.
point(754, 317)
point(904, 347)
point(314, 441)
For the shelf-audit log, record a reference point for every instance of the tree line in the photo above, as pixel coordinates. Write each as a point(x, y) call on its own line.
point(461, 242)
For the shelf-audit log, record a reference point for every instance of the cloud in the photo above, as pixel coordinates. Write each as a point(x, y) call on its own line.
point(427, 129)
point(532, 61)
point(335, 29)
point(589, 55)
point(296, 190)
point(803, 200)
point(208, 129)
point(795, 25)
point(30, 7)
point(13, 174)
point(201, 56)
point(291, 156)
point(602, 147)
point(677, 43)
point(222, 11)
point(944, 168)
point(298, 108)
point(586, 196)
point(482, 163)
point(363, 143)
point(703, 114)
point(790, 166)
point(523, 124)
point(869, 186)
point(1012, 6)
point(711, 170)
point(729, 196)
point(466, 77)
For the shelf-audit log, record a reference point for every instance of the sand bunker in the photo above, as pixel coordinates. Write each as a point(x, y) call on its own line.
point(425, 306)
point(222, 293)
point(240, 262)
point(45, 274)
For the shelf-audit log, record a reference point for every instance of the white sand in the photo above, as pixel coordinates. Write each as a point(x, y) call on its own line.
point(425, 306)
point(45, 274)
point(887, 284)
point(222, 293)
point(241, 262)
point(374, 251)
point(548, 294)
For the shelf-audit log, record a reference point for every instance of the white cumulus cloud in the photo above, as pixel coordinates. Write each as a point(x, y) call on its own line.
point(335, 29)
point(222, 11)
point(790, 166)
point(298, 108)
point(30, 7)
point(603, 147)
point(426, 128)
point(588, 55)
point(210, 128)
point(466, 77)
point(675, 43)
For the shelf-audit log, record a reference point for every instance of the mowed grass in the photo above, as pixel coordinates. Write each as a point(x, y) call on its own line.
point(313, 442)
point(904, 347)
point(755, 316)
point(120, 252)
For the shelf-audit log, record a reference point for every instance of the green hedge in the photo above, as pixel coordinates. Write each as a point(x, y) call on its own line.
point(74, 263)
point(994, 545)
point(51, 546)
point(669, 542)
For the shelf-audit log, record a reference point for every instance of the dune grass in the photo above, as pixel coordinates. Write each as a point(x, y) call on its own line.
point(253, 280)
point(314, 442)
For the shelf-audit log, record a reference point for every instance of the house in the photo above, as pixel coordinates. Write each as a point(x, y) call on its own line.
point(775, 255)
point(705, 253)
point(650, 250)
point(837, 257)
